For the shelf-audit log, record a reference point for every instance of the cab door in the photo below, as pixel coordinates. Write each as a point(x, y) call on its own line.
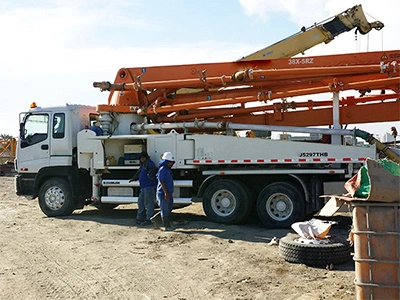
point(33, 152)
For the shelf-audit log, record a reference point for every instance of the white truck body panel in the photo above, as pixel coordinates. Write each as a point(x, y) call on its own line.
point(205, 149)
point(214, 149)
point(90, 151)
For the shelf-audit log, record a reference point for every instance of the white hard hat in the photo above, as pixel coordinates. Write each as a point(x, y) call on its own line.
point(168, 156)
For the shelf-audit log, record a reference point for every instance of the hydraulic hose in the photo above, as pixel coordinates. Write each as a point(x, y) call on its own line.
point(368, 137)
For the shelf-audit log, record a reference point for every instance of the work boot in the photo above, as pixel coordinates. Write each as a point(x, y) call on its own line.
point(156, 220)
point(167, 224)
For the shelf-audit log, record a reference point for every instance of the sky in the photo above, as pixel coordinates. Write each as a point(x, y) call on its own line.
point(53, 50)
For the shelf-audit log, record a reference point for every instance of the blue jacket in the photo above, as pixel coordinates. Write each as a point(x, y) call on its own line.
point(165, 174)
point(146, 174)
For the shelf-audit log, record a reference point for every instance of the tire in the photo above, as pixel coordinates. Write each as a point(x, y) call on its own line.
point(226, 201)
point(55, 198)
point(280, 204)
point(292, 250)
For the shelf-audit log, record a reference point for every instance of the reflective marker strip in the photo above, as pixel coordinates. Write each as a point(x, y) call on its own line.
point(275, 160)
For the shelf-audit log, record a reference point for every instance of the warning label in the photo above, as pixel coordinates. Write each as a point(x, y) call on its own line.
point(390, 56)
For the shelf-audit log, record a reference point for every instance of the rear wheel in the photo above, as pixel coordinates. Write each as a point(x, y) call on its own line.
point(280, 204)
point(226, 201)
point(55, 198)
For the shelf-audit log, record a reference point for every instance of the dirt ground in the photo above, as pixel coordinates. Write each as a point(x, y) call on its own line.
point(96, 254)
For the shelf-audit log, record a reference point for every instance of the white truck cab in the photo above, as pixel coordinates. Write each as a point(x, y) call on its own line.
point(47, 146)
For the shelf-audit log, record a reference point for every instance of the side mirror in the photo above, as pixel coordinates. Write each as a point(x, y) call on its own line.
point(21, 130)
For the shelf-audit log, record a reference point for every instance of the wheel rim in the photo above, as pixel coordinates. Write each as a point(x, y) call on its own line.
point(54, 198)
point(312, 241)
point(223, 203)
point(279, 207)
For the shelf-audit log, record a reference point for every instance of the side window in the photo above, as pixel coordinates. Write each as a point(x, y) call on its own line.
point(34, 129)
point(59, 126)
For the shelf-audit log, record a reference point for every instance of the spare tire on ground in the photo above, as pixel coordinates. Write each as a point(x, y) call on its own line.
point(295, 249)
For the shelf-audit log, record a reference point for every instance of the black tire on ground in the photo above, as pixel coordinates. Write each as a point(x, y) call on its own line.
point(55, 198)
point(280, 204)
point(226, 201)
point(337, 252)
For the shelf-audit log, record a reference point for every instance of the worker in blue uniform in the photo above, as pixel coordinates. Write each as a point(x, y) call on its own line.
point(165, 189)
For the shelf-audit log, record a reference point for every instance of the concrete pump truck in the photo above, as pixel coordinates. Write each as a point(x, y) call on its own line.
point(73, 155)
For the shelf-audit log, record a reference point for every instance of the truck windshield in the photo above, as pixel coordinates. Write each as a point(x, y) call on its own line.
point(34, 129)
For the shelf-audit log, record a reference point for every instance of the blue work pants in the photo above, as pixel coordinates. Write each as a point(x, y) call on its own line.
point(146, 203)
point(165, 205)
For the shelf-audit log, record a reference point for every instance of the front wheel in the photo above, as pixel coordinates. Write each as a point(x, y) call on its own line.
point(55, 198)
point(280, 204)
point(226, 201)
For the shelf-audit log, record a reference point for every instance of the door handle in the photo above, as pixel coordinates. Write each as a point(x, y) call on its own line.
point(45, 147)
